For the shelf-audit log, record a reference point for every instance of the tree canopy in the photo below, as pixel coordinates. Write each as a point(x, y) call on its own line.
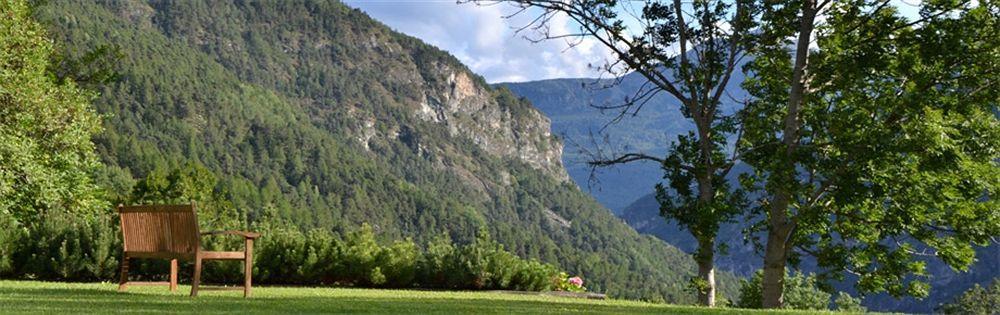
point(46, 154)
point(881, 147)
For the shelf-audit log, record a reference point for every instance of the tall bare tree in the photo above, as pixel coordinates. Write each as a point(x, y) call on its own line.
point(689, 51)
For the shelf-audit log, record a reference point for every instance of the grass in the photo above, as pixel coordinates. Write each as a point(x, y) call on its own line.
point(68, 298)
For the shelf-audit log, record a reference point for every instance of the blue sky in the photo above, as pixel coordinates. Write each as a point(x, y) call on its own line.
point(482, 39)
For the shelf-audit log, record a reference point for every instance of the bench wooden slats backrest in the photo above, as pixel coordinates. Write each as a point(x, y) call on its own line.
point(160, 229)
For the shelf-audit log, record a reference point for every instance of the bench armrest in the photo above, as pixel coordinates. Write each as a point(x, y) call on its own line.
point(250, 235)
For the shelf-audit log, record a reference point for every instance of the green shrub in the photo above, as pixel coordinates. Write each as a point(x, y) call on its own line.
point(533, 275)
point(359, 259)
point(11, 234)
point(293, 257)
point(847, 303)
point(564, 283)
point(65, 247)
point(485, 264)
point(435, 269)
point(977, 300)
point(800, 293)
point(398, 263)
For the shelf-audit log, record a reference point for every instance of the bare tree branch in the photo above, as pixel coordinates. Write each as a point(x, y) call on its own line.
point(628, 157)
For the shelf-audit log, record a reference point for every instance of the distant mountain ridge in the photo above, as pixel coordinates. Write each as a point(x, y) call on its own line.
point(570, 104)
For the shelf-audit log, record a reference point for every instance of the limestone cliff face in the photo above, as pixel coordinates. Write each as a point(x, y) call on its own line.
point(469, 109)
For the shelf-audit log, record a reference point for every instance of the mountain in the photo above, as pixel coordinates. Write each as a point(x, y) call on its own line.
point(314, 115)
point(572, 106)
point(629, 188)
point(568, 103)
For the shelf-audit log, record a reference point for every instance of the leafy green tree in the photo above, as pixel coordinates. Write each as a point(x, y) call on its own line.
point(977, 300)
point(46, 156)
point(190, 182)
point(719, 34)
point(46, 161)
point(878, 144)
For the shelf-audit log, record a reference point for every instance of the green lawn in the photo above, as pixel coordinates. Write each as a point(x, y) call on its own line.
point(68, 298)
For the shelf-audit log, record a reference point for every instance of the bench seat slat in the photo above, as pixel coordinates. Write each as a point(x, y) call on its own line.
point(223, 255)
point(160, 255)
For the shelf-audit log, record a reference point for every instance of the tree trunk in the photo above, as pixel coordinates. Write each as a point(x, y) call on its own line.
point(780, 226)
point(775, 254)
point(705, 254)
point(706, 271)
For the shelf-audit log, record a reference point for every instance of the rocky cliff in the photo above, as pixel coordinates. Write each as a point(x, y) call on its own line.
point(433, 85)
point(470, 109)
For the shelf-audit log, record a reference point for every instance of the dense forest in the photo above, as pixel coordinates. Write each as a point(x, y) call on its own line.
point(313, 119)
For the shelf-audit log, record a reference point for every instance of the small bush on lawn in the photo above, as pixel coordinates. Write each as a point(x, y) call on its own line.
point(569, 284)
point(847, 303)
point(800, 291)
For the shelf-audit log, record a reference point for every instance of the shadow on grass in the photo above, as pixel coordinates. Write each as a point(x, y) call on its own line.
point(91, 300)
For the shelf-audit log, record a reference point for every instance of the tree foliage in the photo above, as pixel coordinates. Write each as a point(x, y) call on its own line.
point(46, 153)
point(883, 147)
point(46, 156)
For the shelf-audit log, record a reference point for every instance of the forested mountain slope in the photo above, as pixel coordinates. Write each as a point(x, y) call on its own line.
point(314, 115)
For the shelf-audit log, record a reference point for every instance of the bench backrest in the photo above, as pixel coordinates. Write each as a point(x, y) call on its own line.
point(166, 229)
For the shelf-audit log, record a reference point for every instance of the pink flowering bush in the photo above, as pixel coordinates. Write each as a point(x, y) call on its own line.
point(568, 284)
point(576, 281)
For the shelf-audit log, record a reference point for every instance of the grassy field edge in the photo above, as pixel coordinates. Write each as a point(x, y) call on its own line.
point(67, 297)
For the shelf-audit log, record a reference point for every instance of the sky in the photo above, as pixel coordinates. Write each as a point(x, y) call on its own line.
point(487, 42)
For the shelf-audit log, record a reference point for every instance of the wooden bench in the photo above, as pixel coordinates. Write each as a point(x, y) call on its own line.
point(171, 232)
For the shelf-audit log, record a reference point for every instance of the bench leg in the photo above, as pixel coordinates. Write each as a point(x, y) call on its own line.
point(248, 267)
point(123, 281)
point(173, 275)
point(196, 278)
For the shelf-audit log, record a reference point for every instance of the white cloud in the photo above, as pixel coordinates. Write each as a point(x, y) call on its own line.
point(481, 38)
